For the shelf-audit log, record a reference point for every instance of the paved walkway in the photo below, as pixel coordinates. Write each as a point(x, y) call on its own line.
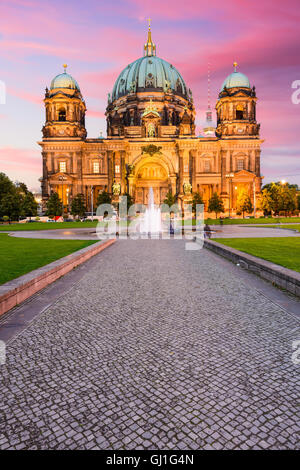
point(156, 347)
point(242, 231)
point(230, 231)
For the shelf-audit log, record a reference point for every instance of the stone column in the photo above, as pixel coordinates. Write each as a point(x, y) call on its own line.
point(173, 183)
point(223, 171)
point(257, 162)
point(110, 163)
point(131, 185)
point(193, 170)
point(180, 175)
point(230, 162)
point(123, 172)
point(79, 170)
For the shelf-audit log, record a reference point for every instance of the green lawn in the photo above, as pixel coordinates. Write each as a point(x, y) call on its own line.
point(66, 225)
point(283, 251)
point(19, 256)
point(50, 226)
point(249, 221)
point(46, 226)
point(291, 227)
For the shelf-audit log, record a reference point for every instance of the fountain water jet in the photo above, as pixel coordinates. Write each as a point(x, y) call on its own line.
point(151, 223)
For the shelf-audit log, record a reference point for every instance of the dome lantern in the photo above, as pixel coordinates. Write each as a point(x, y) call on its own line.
point(149, 47)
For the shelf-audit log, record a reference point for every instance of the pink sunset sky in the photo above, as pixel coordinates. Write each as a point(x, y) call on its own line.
point(97, 39)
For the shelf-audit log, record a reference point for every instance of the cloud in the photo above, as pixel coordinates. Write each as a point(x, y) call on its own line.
point(95, 114)
point(24, 95)
point(99, 39)
point(20, 159)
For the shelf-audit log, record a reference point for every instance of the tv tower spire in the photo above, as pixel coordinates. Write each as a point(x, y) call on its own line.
point(208, 130)
point(208, 112)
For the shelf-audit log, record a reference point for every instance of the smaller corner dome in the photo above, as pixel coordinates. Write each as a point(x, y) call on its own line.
point(64, 80)
point(236, 80)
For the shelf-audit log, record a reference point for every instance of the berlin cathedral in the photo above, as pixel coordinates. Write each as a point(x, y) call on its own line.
point(151, 139)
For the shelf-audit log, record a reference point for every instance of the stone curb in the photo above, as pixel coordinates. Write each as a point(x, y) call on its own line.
point(16, 291)
point(278, 275)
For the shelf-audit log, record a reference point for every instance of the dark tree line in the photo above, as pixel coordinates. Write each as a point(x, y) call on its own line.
point(15, 200)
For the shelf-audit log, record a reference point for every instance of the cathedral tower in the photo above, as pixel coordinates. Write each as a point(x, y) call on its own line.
point(65, 109)
point(236, 108)
point(238, 134)
point(63, 134)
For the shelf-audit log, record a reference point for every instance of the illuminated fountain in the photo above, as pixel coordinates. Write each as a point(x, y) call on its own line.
point(151, 223)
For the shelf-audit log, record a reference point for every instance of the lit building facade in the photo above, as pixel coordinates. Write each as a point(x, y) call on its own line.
point(151, 139)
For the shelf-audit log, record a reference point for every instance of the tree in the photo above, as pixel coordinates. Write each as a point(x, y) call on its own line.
point(15, 199)
point(197, 199)
point(29, 206)
point(7, 191)
point(129, 200)
point(22, 188)
point(6, 185)
point(288, 201)
point(78, 205)
point(170, 199)
point(277, 197)
point(11, 205)
point(103, 198)
point(265, 202)
point(244, 203)
point(280, 183)
point(276, 202)
point(54, 205)
point(298, 201)
point(215, 204)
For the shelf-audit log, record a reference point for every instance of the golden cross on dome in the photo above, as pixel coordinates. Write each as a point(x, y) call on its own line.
point(149, 47)
point(235, 64)
point(65, 68)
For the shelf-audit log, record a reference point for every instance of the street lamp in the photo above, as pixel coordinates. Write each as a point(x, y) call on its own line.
point(254, 198)
point(92, 201)
point(68, 199)
point(229, 176)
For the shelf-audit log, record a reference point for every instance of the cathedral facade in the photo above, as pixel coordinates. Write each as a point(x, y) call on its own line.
point(151, 139)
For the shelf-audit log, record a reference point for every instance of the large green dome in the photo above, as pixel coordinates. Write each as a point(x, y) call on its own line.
point(149, 72)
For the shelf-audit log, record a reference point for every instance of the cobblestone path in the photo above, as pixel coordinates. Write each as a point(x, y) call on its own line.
point(155, 348)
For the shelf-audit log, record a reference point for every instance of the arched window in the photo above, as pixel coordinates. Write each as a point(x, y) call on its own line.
point(239, 112)
point(240, 164)
point(62, 115)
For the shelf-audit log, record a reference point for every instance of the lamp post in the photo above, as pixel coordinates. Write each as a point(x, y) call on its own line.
point(229, 176)
point(254, 198)
point(92, 201)
point(68, 199)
